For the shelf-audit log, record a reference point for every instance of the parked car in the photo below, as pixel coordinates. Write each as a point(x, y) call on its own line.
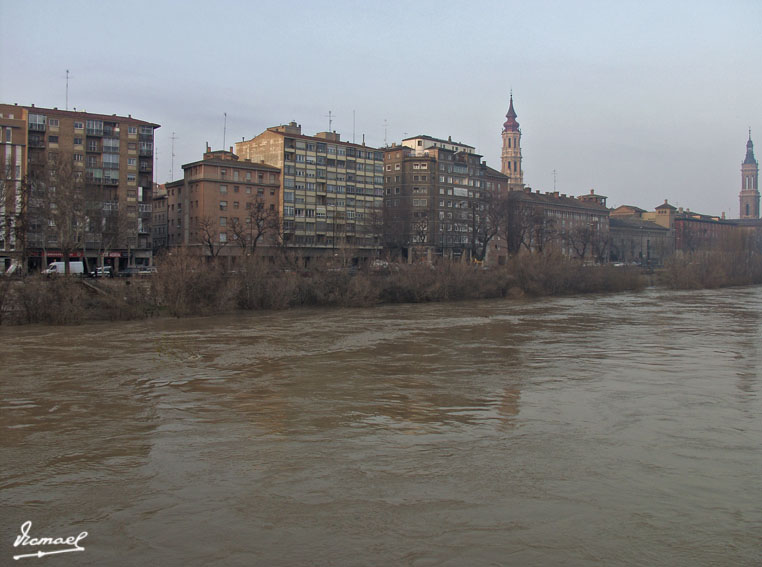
point(146, 270)
point(102, 272)
point(59, 268)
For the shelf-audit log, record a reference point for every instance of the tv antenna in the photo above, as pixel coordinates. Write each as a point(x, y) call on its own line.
point(172, 159)
point(67, 89)
point(330, 120)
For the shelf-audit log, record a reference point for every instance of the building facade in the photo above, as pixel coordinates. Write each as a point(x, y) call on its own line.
point(87, 187)
point(331, 191)
point(635, 240)
point(749, 196)
point(13, 168)
point(577, 227)
point(438, 197)
point(224, 206)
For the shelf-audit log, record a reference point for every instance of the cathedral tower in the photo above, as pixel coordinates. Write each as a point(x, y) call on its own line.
point(511, 155)
point(749, 196)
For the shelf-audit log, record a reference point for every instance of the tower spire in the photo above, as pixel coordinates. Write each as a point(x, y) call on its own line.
point(511, 125)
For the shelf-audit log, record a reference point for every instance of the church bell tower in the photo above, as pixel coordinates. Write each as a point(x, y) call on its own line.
point(511, 155)
point(749, 196)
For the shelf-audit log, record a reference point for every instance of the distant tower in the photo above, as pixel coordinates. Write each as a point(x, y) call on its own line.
point(749, 196)
point(511, 156)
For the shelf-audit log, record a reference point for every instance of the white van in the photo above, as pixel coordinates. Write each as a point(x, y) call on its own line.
point(75, 268)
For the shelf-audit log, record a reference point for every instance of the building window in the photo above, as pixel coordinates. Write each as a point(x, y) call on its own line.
point(53, 139)
point(223, 221)
point(132, 162)
point(223, 237)
point(223, 205)
point(53, 122)
point(132, 129)
point(78, 157)
point(235, 204)
point(8, 134)
point(223, 189)
point(79, 126)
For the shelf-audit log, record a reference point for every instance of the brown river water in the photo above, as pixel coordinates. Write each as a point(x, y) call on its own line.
point(604, 430)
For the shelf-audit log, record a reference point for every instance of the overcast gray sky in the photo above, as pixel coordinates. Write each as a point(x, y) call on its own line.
point(640, 100)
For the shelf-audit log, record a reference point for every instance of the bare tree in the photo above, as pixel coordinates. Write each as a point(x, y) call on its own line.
point(210, 236)
point(526, 225)
point(488, 217)
point(259, 224)
point(579, 239)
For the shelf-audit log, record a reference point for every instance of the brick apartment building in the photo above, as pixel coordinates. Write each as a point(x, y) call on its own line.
point(436, 194)
point(98, 165)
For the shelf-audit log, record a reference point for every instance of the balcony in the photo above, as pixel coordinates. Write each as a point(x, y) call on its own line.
point(110, 181)
point(94, 131)
point(144, 208)
point(145, 152)
point(37, 127)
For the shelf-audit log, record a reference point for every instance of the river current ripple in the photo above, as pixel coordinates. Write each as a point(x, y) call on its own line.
point(603, 430)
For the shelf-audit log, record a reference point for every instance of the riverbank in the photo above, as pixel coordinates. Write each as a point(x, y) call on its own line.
point(187, 286)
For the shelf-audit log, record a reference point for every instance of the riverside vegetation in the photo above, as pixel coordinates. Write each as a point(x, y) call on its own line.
point(188, 285)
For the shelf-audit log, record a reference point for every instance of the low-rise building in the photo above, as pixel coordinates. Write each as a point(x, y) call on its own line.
point(224, 206)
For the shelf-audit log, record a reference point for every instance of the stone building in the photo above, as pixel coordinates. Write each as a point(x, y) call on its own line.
point(438, 196)
point(635, 240)
point(100, 167)
point(577, 227)
point(330, 193)
point(224, 206)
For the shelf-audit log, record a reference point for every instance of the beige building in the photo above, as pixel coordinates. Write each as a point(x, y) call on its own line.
point(101, 167)
point(224, 206)
point(330, 193)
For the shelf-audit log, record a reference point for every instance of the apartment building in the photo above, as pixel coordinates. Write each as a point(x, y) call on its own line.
point(436, 198)
point(331, 191)
point(159, 218)
point(13, 168)
point(101, 168)
point(224, 206)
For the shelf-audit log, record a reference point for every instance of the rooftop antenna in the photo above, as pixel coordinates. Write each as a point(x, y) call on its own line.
point(224, 130)
point(172, 159)
point(67, 89)
point(330, 120)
